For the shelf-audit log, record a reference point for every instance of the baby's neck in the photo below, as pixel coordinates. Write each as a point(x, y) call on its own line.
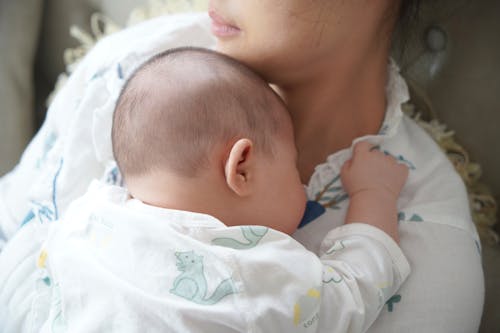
point(199, 194)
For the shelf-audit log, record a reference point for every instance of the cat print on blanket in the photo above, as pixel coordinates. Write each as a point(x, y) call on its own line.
point(191, 284)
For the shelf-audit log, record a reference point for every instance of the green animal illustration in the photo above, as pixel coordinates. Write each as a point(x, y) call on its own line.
point(191, 284)
point(252, 235)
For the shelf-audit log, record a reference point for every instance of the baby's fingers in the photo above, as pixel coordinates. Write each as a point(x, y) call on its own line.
point(363, 147)
point(345, 168)
point(403, 169)
point(400, 172)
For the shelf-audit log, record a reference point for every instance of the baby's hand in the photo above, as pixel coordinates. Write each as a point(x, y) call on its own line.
point(371, 171)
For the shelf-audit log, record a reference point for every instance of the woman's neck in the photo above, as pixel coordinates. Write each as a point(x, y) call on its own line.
point(343, 100)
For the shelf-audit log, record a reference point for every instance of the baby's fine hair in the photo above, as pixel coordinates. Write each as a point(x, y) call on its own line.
point(180, 105)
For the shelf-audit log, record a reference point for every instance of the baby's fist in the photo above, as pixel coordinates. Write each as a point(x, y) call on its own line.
point(370, 170)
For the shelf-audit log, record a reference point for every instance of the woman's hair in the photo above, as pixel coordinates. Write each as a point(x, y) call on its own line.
point(408, 13)
point(181, 104)
point(408, 19)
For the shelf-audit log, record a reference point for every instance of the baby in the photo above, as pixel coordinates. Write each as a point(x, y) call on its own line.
point(196, 131)
point(200, 241)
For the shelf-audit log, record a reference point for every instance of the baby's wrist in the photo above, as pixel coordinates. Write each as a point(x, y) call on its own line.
point(381, 194)
point(374, 207)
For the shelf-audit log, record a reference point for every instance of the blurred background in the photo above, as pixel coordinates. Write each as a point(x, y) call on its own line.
point(451, 59)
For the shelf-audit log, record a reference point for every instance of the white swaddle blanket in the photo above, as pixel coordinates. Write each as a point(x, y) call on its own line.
point(114, 264)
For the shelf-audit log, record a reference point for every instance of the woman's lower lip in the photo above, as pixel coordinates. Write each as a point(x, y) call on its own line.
point(222, 29)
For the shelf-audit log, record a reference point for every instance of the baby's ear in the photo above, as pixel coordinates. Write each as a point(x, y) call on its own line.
point(238, 169)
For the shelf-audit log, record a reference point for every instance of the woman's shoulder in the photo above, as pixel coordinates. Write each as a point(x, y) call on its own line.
point(413, 144)
point(435, 191)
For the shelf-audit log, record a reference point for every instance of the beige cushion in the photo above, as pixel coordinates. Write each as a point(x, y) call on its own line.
point(60, 15)
point(19, 27)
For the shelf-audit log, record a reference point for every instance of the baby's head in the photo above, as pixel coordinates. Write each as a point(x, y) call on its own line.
point(196, 130)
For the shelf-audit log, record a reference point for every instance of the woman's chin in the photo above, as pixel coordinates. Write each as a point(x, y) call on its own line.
point(228, 47)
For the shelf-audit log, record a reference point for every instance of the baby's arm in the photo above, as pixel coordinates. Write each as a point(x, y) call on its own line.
point(373, 181)
point(289, 289)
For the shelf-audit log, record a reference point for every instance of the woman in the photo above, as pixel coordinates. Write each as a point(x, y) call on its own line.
point(329, 60)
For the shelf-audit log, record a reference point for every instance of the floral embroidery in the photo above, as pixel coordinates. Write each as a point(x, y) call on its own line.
point(330, 196)
point(45, 212)
point(412, 218)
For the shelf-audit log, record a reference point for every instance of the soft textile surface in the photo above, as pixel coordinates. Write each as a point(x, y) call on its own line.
point(118, 265)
